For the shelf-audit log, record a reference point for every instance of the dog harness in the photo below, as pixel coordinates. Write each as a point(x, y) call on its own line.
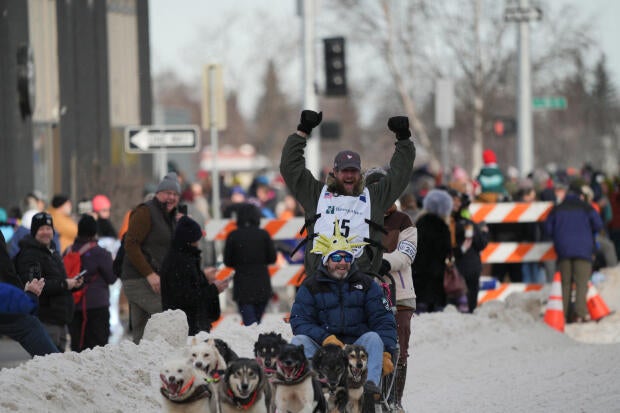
point(240, 402)
point(200, 392)
point(299, 375)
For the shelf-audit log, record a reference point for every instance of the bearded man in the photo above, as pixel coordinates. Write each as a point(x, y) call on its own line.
point(344, 196)
point(340, 288)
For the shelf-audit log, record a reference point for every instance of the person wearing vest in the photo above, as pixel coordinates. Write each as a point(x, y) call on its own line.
point(148, 238)
point(359, 209)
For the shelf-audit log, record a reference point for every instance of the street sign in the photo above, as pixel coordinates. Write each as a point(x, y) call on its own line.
point(154, 139)
point(522, 14)
point(549, 102)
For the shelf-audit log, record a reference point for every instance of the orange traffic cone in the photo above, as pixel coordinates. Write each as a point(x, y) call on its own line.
point(554, 314)
point(596, 306)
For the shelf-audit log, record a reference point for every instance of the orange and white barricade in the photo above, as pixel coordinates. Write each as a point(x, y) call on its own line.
point(491, 213)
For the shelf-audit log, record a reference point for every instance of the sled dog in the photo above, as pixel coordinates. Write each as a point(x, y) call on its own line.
point(357, 374)
point(182, 388)
point(331, 364)
point(245, 388)
point(296, 389)
point(266, 350)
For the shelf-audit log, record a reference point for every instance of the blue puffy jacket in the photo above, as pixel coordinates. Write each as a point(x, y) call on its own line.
point(572, 225)
point(346, 308)
point(15, 301)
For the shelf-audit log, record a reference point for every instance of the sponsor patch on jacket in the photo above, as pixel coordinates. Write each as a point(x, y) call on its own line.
point(330, 210)
point(408, 248)
point(386, 305)
point(363, 198)
point(358, 286)
point(328, 195)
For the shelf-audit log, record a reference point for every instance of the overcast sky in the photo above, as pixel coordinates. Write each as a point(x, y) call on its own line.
point(178, 30)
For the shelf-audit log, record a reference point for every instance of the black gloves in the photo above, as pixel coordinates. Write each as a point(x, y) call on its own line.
point(309, 120)
point(385, 267)
point(400, 126)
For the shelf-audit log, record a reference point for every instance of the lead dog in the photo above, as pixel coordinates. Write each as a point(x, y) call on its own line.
point(205, 357)
point(182, 388)
point(331, 364)
point(296, 389)
point(357, 375)
point(266, 350)
point(245, 388)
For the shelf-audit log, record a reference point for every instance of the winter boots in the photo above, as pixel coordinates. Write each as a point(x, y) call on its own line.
point(399, 387)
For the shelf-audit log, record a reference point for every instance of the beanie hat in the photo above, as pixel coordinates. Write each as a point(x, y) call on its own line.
point(38, 220)
point(101, 202)
point(87, 226)
point(488, 156)
point(187, 231)
point(59, 200)
point(347, 159)
point(169, 183)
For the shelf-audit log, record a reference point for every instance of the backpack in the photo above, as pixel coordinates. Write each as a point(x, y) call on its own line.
point(73, 265)
point(117, 264)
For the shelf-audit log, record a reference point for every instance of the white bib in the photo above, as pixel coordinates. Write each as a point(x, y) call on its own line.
point(351, 211)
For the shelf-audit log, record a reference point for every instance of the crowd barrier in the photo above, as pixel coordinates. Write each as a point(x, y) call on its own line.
point(491, 213)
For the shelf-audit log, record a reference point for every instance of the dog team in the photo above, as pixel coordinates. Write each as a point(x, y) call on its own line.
point(210, 377)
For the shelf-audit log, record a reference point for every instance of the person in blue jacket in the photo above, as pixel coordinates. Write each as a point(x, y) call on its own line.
point(18, 308)
point(342, 305)
point(572, 225)
point(18, 317)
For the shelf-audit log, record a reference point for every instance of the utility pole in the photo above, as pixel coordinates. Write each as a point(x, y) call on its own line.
point(313, 147)
point(523, 14)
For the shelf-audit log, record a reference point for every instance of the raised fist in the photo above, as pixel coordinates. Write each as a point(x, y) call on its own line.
point(309, 120)
point(400, 126)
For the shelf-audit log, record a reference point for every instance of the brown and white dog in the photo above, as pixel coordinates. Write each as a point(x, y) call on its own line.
point(357, 376)
point(183, 388)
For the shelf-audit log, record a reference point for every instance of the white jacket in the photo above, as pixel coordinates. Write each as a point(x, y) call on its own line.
point(400, 261)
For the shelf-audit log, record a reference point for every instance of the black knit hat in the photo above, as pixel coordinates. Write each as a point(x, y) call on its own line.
point(38, 220)
point(59, 200)
point(187, 231)
point(87, 226)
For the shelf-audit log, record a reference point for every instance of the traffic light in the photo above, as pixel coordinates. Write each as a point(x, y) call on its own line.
point(504, 127)
point(335, 68)
point(330, 130)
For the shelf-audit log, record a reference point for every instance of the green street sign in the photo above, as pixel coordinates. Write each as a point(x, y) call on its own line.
point(549, 102)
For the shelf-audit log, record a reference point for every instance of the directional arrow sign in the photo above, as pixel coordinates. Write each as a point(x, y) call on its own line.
point(152, 139)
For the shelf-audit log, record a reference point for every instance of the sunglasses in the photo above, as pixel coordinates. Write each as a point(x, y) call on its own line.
point(338, 258)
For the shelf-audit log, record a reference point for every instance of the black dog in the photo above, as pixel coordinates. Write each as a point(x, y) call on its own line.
point(331, 364)
point(266, 350)
point(225, 350)
point(296, 389)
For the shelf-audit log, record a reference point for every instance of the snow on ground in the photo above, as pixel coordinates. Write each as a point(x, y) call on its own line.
point(501, 359)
